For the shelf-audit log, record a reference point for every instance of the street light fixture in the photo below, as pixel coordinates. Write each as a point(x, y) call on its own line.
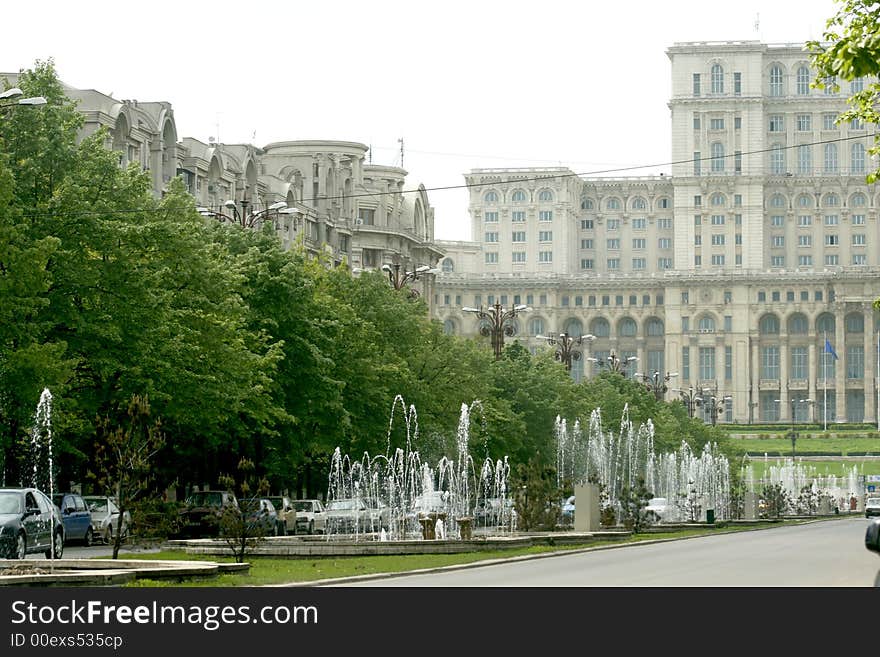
point(498, 323)
point(242, 218)
point(792, 434)
point(656, 382)
point(692, 399)
point(401, 278)
point(12, 96)
point(565, 343)
point(613, 363)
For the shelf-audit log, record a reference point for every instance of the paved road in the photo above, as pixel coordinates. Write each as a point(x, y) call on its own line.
point(819, 554)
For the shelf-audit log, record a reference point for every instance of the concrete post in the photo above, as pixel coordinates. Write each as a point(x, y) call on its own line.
point(586, 507)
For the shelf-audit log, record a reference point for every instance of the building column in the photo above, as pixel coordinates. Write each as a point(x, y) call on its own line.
point(812, 376)
point(755, 368)
point(784, 393)
point(839, 367)
point(870, 366)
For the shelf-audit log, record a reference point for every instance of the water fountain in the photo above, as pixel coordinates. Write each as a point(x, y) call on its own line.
point(616, 461)
point(408, 498)
point(43, 476)
point(796, 476)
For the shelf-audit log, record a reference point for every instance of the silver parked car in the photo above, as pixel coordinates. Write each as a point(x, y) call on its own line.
point(105, 517)
point(310, 516)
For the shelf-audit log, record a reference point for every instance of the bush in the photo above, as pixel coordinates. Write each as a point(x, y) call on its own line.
point(153, 520)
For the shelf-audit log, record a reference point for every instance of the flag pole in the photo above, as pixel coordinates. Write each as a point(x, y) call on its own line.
point(825, 381)
point(878, 382)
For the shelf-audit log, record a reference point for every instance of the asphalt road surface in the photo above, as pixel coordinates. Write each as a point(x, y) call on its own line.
point(829, 553)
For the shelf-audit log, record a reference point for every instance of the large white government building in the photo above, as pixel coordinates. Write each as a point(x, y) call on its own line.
point(732, 272)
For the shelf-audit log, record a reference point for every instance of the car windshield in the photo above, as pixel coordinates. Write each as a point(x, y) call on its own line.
point(657, 501)
point(873, 501)
point(97, 504)
point(277, 502)
point(344, 505)
point(205, 498)
point(302, 505)
point(10, 503)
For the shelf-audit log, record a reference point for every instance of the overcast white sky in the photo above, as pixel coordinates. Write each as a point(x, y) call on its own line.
point(474, 84)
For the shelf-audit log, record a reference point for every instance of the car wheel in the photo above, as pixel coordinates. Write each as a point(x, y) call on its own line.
point(58, 544)
point(20, 547)
point(89, 538)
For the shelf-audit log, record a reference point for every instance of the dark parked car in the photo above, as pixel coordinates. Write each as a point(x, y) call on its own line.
point(29, 523)
point(76, 518)
point(202, 511)
point(261, 516)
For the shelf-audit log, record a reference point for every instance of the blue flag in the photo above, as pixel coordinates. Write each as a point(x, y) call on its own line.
point(830, 350)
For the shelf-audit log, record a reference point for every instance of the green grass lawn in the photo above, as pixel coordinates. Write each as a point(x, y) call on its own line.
point(822, 468)
point(269, 570)
point(781, 443)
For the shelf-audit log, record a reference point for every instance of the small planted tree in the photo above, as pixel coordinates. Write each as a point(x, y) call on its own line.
point(124, 454)
point(776, 499)
point(632, 506)
point(240, 525)
point(537, 496)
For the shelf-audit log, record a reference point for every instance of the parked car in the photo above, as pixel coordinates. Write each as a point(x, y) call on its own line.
point(495, 512)
point(202, 511)
point(872, 507)
point(347, 516)
point(658, 510)
point(76, 518)
point(566, 510)
point(105, 517)
point(310, 516)
point(261, 516)
point(286, 514)
point(29, 523)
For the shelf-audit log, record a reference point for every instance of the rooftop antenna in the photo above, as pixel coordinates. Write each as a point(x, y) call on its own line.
point(757, 22)
point(370, 154)
point(401, 151)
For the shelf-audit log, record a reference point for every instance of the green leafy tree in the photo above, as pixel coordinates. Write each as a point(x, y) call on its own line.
point(632, 506)
point(536, 496)
point(776, 498)
point(240, 526)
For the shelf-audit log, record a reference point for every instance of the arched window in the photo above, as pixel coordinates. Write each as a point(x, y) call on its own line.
point(776, 80)
point(448, 266)
point(797, 324)
point(825, 324)
point(854, 323)
point(654, 328)
point(491, 197)
point(777, 201)
point(449, 327)
point(612, 204)
point(706, 324)
point(805, 201)
point(717, 79)
point(857, 200)
point(663, 203)
point(777, 159)
point(627, 328)
point(536, 326)
point(717, 157)
point(573, 327)
point(638, 203)
point(803, 81)
point(545, 195)
point(769, 325)
point(587, 204)
point(519, 196)
point(600, 327)
point(831, 200)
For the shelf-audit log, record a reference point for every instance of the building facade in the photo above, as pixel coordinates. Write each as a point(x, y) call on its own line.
point(340, 205)
point(733, 273)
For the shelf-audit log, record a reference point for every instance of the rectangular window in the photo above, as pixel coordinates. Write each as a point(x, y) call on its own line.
point(738, 239)
point(698, 201)
point(804, 122)
point(716, 124)
point(545, 215)
point(860, 259)
point(717, 219)
point(633, 299)
point(639, 264)
point(858, 239)
point(728, 323)
point(591, 300)
point(696, 81)
point(737, 123)
point(805, 261)
point(770, 362)
point(518, 257)
point(530, 299)
point(777, 220)
point(614, 224)
point(606, 300)
point(613, 264)
point(587, 243)
point(458, 300)
point(717, 260)
point(491, 237)
point(738, 219)
point(828, 121)
point(684, 298)
point(776, 123)
point(565, 301)
point(646, 299)
point(697, 163)
point(490, 299)
point(586, 224)
point(737, 200)
point(478, 300)
point(586, 263)
point(698, 240)
point(855, 362)
point(545, 256)
point(728, 363)
point(641, 242)
point(685, 324)
point(446, 299)
point(805, 295)
point(698, 219)
point(696, 121)
point(491, 257)
point(664, 263)
point(777, 261)
point(639, 223)
point(664, 243)
point(737, 83)
point(686, 363)
point(579, 301)
point(832, 239)
point(832, 220)
point(518, 217)
point(762, 296)
point(706, 363)
point(543, 299)
point(612, 243)
point(665, 223)
point(717, 239)
point(518, 236)
point(805, 240)
point(737, 162)
point(805, 159)
point(775, 295)
point(799, 363)
point(858, 220)
point(490, 217)
point(545, 236)
point(805, 220)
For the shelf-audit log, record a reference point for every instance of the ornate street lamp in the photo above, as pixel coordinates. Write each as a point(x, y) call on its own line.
point(793, 434)
point(498, 323)
point(656, 382)
point(692, 399)
point(10, 98)
point(565, 346)
point(242, 218)
point(400, 278)
point(717, 406)
point(613, 363)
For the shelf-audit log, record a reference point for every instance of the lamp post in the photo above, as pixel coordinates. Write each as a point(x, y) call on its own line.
point(400, 278)
point(498, 323)
point(242, 218)
point(793, 434)
point(656, 382)
point(10, 98)
point(691, 399)
point(565, 346)
point(717, 407)
point(613, 363)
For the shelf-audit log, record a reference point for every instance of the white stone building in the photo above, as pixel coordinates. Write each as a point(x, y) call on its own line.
point(732, 272)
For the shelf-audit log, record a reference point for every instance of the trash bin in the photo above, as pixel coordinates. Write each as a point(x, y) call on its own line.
point(710, 516)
